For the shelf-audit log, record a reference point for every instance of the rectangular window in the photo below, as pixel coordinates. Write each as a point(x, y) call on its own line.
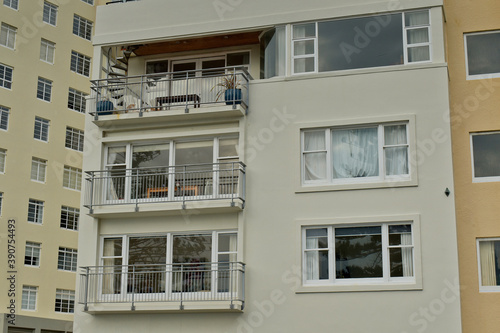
point(35, 211)
point(49, 13)
point(38, 169)
point(341, 155)
point(44, 89)
point(82, 27)
point(485, 156)
point(41, 129)
point(8, 35)
point(67, 259)
point(6, 76)
point(69, 218)
point(4, 118)
point(29, 298)
point(72, 178)
point(380, 253)
point(47, 50)
point(417, 36)
point(65, 301)
point(80, 63)
point(482, 54)
point(489, 264)
point(90, 2)
point(77, 100)
point(32, 254)
point(3, 156)
point(14, 4)
point(304, 48)
point(1, 201)
point(74, 138)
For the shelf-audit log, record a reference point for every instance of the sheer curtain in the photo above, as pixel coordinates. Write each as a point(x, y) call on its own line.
point(355, 153)
point(417, 35)
point(312, 259)
point(396, 158)
point(315, 155)
point(407, 255)
point(487, 255)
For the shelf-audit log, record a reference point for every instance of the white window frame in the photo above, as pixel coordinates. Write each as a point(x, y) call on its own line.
point(4, 118)
point(14, 4)
point(63, 295)
point(77, 100)
point(50, 13)
point(72, 178)
point(3, 159)
point(7, 31)
point(29, 293)
point(6, 76)
point(47, 51)
point(41, 131)
point(304, 39)
point(407, 46)
point(37, 206)
point(80, 63)
point(81, 26)
point(44, 89)
point(67, 259)
point(481, 179)
point(481, 287)
point(35, 250)
point(69, 218)
point(74, 139)
point(38, 169)
point(477, 76)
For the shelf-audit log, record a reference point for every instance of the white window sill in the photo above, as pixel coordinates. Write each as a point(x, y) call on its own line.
point(358, 287)
point(356, 186)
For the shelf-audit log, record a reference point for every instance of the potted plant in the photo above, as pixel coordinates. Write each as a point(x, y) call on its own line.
point(230, 88)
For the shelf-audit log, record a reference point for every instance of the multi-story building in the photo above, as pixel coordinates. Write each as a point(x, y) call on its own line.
point(45, 61)
point(259, 166)
point(473, 36)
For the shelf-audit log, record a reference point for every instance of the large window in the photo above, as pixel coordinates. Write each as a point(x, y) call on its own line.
point(44, 89)
point(3, 156)
point(28, 301)
point(32, 254)
point(65, 301)
point(69, 218)
point(489, 264)
point(38, 169)
point(74, 138)
point(82, 27)
point(41, 129)
point(367, 153)
point(49, 13)
point(35, 211)
point(76, 100)
point(14, 4)
point(360, 254)
point(6, 76)
point(72, 178)
point(482, 54)
point(80, 63)
point(486, 156)
point(4, 118)
point(47, 50)
point(8, 35)
point(67, 259)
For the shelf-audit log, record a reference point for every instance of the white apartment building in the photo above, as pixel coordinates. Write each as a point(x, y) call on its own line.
point(256, 166)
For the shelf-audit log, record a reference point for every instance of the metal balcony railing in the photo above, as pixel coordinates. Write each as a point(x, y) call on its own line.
point(120, 186)
point(168, 91)
point(181, 283)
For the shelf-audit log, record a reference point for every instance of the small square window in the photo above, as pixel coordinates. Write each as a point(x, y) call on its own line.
point(82, 27)
point(41, 129)
point(77, 100)
point(65, 301)
point(38, 169)
point(80, 63)
point(4, 118)
point(14, 4)
point(47, 50)
point(32, 254)
point(8, 35)
point(6, 76)
point(486, 156)
point(72, 178)
point(49, 13)
point(74, 138)
point(44, 89)
point(482, 54)
point(29, 298)
point(69, 218)
point(67, 259)
point(35, 211)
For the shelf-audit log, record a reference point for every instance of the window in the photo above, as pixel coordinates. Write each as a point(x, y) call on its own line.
point(90, 2)
point(489, 264)
point(74, 138)
point(14, 4)
point(49, 13)
point(8, 36)
point(82, 27)
point(482, 54)
point(1, 201)
point(41, 129)
point(69, 218)
point(6, 76)
point(38, 168)
point(360, 254)
point(44, 89)
point(35, 211)
point(362, 42)
point(29, 298)
point(486, 156)
point(3, 156)
point(4, 117)
point(72, 178)
point(67, 259)
point(32, 254)
point(65, 301)
point(367, 153)
point(80, 63)
point(76, 100)
point(47, 49)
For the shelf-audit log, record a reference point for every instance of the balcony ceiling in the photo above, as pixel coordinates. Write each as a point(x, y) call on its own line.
point(202, 43)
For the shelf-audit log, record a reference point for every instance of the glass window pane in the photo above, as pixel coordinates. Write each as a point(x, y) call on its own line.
point(415, 36)
point(192, 249)
point(398, 234)
point(395, 135)
point(317, 238)
point(116, 155)
point(483, 53)
point(315, 166)
point(194, 152)
point(303, 65)
point(417, 18)
point(238, 59)
point(304, 30)
point(227, 243)
point(228, 147)
point(147, 250)
point(396, 161)
point(420, 53)
point(303, 47)
point(486, 150)
point(314, 140)
point(150, 156)
point(112, 247)
point(489, 252)
point(317, 265)
point(401, 262)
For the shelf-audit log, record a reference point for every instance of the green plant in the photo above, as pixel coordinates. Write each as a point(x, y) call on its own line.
point(229, 81)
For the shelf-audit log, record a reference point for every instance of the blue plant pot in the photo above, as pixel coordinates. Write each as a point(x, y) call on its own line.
point(104, 108)
point(232, 96)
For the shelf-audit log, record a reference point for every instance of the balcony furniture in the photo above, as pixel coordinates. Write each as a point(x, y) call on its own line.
point(163, 191)
point(105, 107)
point(179, 99)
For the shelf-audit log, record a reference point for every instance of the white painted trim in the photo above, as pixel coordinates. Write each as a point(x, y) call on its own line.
point(477, 76)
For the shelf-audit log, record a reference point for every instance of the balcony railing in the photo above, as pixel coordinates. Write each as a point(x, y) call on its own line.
point(168, 91)
point(120, 186)
point(222, 282)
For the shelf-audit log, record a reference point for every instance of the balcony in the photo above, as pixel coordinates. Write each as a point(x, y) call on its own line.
point(215, 185)
point(213, 92)
point(216, 286)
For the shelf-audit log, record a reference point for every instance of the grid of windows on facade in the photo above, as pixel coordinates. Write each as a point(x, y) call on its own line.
point(29, 298)
point(72, 178)
point(482, 54)
point(65, 301)
point(38, 169)
point(82, 27)
point(80, 63)
point(32, 254)
point(489, 263)
point(49, 13)
point(47, 50)
point(74, 138)
point(69, 218)
point(35, 211)
point(6, 76)
point(14, 4)
point(3, 157)
point(4, 118)
point(77, 100)
point(353, 154)
point(380, 253)
point(67, 258)
point(8, 35)
point(44, 89)
point(41, 129)
point(486, 156)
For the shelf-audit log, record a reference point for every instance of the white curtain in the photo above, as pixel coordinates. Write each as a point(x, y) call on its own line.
point(312, 259)
point(416, 36)
point(314, 158)
point(396, 158)
point(407, 255)
point(355, 153)
point(110, 277)
point(280, 51)
point(487, 255)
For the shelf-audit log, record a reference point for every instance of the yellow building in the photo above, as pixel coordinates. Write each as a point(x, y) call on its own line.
point(473, 31)
point(45, 59)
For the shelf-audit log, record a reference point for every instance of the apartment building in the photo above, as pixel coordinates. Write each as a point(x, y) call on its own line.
point(473, 37)
point(257, 166)
point(45, 62)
